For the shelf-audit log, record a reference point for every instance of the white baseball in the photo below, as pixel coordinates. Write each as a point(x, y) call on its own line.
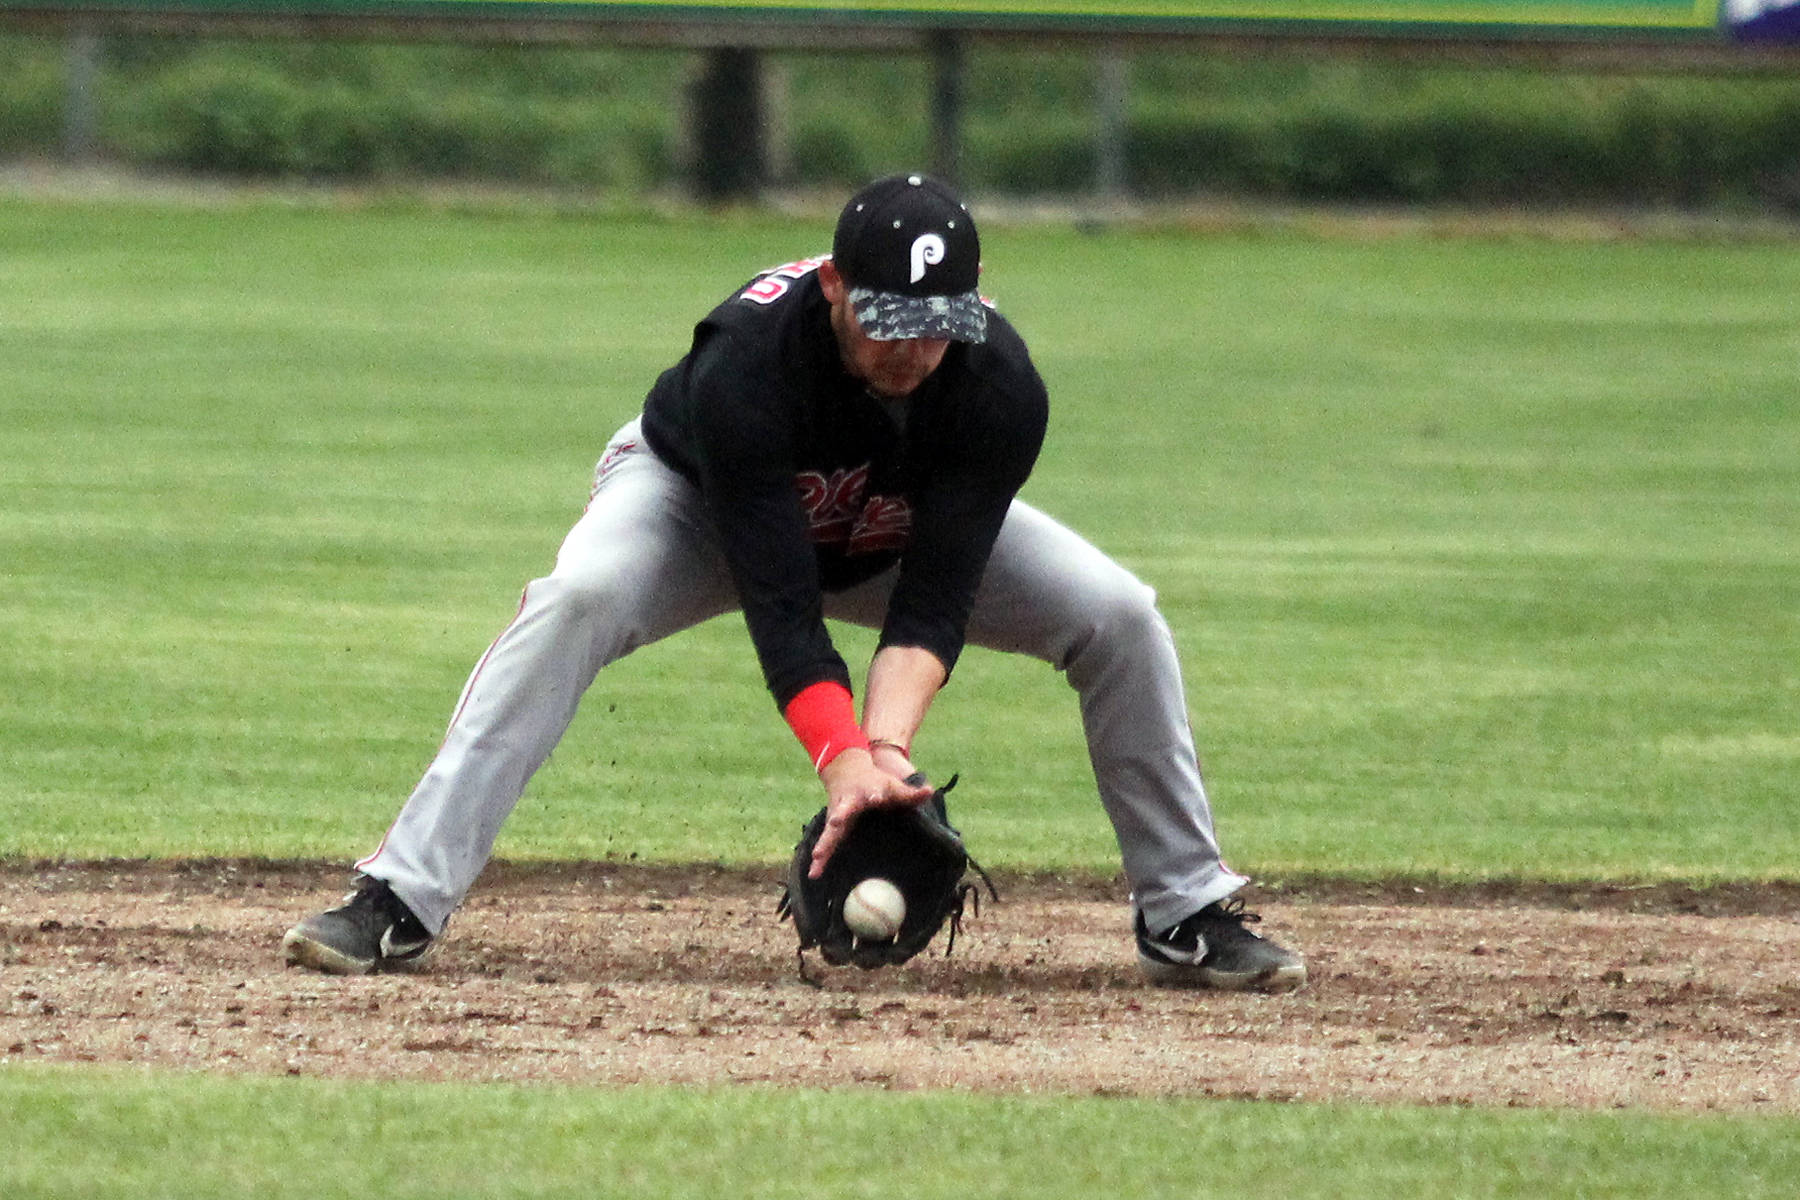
point(874, 910)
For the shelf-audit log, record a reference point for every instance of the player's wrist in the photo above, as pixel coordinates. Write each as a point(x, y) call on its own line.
point(823, 716)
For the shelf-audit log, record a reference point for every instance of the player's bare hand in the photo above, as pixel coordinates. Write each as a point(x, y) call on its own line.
point(853, 785)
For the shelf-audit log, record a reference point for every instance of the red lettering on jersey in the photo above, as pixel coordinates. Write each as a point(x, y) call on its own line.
point(838, 513)
point(774, 283)
point(885, 524)
point(831, 504)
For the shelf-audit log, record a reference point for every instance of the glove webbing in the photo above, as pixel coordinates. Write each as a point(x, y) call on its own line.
point(965, 894)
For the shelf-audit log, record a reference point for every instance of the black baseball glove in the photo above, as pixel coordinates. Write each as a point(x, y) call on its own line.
point(916, 849)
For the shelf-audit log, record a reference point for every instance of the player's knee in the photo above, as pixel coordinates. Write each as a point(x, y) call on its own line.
point(578, 600)
point(1129, 608)
point(1119, 614)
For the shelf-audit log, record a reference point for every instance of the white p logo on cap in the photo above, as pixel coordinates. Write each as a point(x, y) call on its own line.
point(927, 250)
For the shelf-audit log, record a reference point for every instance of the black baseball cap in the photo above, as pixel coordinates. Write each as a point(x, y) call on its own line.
point(907, 248)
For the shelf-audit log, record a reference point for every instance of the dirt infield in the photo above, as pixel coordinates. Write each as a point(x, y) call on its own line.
point(1661, 998)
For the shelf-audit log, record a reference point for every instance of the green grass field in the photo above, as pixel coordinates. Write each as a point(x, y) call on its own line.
point(279, 1138)
point(1480, 552)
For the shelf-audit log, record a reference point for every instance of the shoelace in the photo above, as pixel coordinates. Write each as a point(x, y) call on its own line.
point(1235, 908)
point(1234, 916)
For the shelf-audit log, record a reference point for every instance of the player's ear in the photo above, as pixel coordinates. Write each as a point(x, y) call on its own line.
point(831, 283)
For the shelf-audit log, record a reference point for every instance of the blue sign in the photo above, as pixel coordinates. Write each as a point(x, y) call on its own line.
point(1762, 20)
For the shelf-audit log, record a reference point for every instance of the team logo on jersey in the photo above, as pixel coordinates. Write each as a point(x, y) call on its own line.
point(840, 512)
point(774, 283)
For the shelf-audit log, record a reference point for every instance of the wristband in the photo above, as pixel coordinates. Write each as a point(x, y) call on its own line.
point(905, 751)
point(823, 716)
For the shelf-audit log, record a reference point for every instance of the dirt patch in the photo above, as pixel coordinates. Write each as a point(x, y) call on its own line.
point(1662, 998)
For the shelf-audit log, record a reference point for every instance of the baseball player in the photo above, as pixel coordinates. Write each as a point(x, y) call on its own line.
point(845, 439)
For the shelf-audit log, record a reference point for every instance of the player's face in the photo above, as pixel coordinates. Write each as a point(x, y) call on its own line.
point(891, 369)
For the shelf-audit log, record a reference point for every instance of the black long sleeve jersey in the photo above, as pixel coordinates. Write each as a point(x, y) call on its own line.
point(814, 484)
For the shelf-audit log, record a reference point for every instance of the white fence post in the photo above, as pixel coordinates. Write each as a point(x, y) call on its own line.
point(1111, 114)
point(81, 110)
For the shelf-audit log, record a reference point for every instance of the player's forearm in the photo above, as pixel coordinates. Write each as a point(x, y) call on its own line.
point(903, 681)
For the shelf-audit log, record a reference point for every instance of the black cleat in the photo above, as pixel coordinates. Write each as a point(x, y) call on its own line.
point(1212, 948)
point(372, 930)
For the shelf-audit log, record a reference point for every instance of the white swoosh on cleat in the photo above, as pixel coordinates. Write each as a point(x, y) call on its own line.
point(393, 949)
point(1177, 955)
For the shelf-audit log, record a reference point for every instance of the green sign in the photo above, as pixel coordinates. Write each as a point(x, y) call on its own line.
point(1463, 15)
point(1650, 13)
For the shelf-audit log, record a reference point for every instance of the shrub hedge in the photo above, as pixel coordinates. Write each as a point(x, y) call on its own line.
point(1197, 123)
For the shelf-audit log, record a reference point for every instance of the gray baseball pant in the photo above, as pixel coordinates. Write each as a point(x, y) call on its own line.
point(642, 564)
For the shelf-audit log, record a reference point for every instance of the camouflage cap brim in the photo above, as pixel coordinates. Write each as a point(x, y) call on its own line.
point(893, 317)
